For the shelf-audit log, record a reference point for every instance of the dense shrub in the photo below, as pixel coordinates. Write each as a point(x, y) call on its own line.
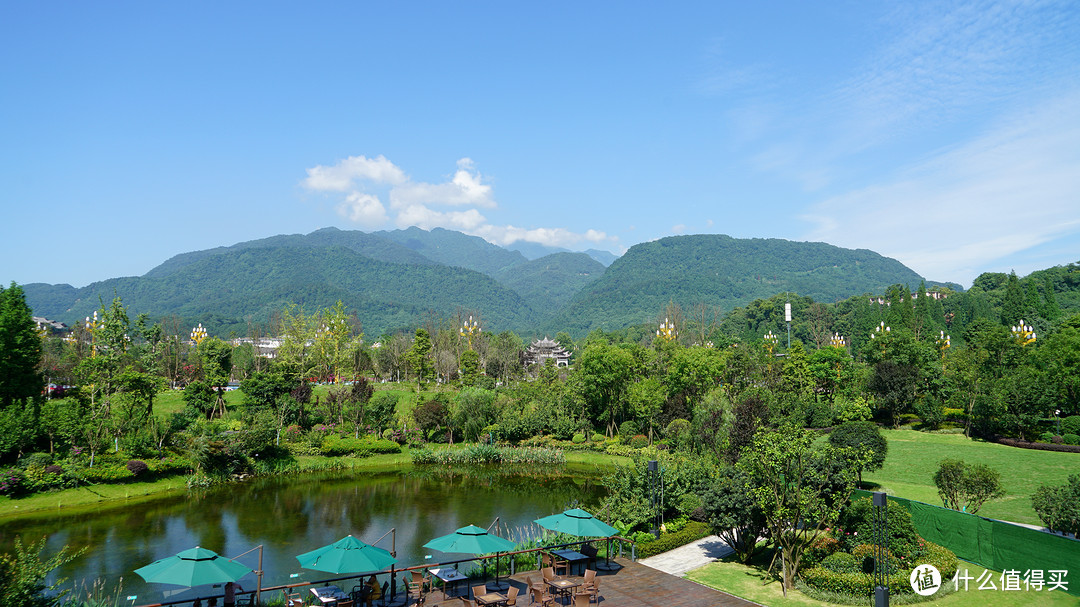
point(639, 441)
point(1046, 437)
point(843, 562)
point(857, 583)
point(578, 438)
point(693, 531)
point(1070, 439)
point(334, 446)
point(137, 467)
point(857, 528)
point(821, 547)
point(1070, 425)
point(488, 454)
point(12, 482)
point(866, 553)
point(628, 429)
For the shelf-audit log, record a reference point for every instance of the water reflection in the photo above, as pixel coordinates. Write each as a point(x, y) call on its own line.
point(293, 515)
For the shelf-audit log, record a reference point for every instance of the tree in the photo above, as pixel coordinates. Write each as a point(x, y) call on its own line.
point(20, 348)
point(470, 367)
point(1059, 506)
point(966, 487)
point(603, 373)
point(733, 513)
point(23, 575)
point(417, 358)
point(380, 410)
point(856, 434)
point(799, 489)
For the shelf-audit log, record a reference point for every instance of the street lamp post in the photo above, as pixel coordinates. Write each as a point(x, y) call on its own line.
point(667, 330)
point(198, 334)
point(771, 339)
point(1057, 415)
point(468, 328)
point(838, 341)
point(1024, 334)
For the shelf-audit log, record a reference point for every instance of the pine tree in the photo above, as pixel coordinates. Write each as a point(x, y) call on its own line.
point(20, 348)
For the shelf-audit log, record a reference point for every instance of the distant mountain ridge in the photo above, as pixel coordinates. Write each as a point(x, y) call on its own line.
point(398, 279)
point(723, 271)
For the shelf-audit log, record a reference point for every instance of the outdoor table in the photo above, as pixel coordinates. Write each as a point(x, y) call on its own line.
point(571, 557)
point(329, 595)
point(564, 586)
point(491, 598)
point(449, 577)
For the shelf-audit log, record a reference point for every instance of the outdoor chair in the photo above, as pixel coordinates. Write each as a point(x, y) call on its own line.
point(345, 603)
point(541, 595)
point(479, 590)
point(582, 600)
point(419, 584)
point(467, 602)
point(591, 590)
point(531, 585)
point(590, 551)
point(549, 574)
point(511, 596)
point(560, 565)
point(385, 593)
point(294, 600)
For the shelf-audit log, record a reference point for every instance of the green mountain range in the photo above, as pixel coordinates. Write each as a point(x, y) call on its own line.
point(719, 270)
point(395, 280)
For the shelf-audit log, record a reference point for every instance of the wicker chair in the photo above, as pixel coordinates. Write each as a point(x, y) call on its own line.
point(511, 596)
point(542, 596)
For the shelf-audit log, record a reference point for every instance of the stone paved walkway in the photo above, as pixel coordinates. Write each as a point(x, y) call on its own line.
point(691, 556)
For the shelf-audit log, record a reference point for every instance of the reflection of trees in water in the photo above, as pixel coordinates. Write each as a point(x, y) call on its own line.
point(293, 515)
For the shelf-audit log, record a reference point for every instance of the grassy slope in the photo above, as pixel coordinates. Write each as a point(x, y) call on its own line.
point(914, 457)
point(750, 583)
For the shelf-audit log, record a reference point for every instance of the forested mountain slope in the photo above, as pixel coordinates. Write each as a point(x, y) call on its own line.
point(723, 271)
point(455, 249)
point(224, 290)
point(549, 282)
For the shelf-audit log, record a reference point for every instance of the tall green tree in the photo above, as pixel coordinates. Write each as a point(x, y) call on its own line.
point(418, 357)
point(20, 348)
point(798, 487)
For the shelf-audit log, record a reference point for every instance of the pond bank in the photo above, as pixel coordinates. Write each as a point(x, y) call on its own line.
point(96, 497)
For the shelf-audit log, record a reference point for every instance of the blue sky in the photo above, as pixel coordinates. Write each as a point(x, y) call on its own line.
point(946, 134)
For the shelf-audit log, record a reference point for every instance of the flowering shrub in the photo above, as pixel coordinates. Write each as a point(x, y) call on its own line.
point(821, 547)
point(639, 441)
point(12, 482)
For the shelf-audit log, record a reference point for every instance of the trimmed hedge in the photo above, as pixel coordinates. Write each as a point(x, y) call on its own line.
point(1023, 444)
point(862, 584)
point(335, 445)
point(693, 531)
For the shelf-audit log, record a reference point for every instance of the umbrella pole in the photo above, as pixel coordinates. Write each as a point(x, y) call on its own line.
point(258, 576)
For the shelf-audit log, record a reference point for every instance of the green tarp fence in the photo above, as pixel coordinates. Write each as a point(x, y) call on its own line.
point(994, 544)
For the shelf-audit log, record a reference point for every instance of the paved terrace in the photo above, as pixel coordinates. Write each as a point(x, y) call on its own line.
point(631, 585)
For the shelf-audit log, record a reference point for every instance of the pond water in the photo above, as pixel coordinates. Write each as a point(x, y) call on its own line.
point(293, 515)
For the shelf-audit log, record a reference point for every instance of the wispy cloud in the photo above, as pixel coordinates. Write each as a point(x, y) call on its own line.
point(1005, 192)
point(422, 204)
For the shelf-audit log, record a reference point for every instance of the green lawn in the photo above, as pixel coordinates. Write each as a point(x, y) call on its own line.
point(914, 457)
point(750, 583)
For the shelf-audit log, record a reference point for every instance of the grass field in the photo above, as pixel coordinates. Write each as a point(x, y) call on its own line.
point(751, 583)
point(914, 457)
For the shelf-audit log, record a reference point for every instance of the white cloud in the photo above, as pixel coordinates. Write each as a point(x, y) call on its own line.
point(418, 203)
point(678, 228)
point(1002, 193)
point(341, 176)
point(465, 189)
point(364, 209)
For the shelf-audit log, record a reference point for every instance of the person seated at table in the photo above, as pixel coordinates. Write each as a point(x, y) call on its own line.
point(212, 602)
point(374, 592)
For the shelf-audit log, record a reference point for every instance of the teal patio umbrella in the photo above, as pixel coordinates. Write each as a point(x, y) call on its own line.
point(577, 522)
point(193, 567)
point(347, 555)
point(472, 540)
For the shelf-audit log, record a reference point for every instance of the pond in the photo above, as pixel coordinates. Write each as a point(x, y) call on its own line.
point(289, 516)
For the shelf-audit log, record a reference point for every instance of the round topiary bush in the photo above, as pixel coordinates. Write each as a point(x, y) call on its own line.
point(597, 437)
point(639, 441)
point(628, 429)
point(578, 438)
point(842, 562)
point(1046, 437)
point(137, 467)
